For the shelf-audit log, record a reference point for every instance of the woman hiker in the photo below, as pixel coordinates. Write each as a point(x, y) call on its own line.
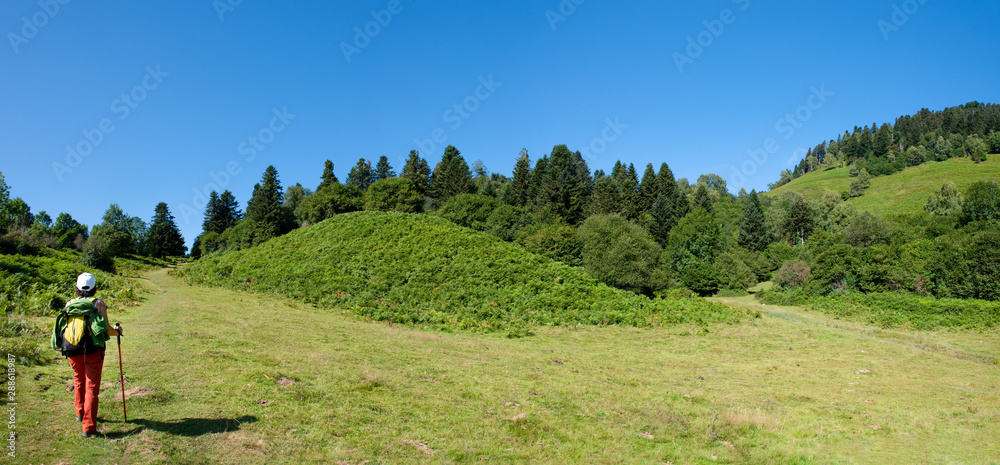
point(85, 352)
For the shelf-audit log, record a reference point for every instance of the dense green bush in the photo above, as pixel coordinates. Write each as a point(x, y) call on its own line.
point(469, 210)
point(558, 242)
point(394, 194)
point(426, 271)
point(619, 253)
point(701, 277)
point(733, 272)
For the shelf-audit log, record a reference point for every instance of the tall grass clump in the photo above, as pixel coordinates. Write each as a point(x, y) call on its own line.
point(426, 271)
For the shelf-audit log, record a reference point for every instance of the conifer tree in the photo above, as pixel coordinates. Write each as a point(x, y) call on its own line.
point(164, 238)
point(649, 189)
point(567, 185)
point(266, 207)
point(522, 178)
point(754, 234)
point(418, 171)
point(328, 175)
point(212, 214)
point(229, 210)
point(361, 176)
point(451, 176)
point(383, 170)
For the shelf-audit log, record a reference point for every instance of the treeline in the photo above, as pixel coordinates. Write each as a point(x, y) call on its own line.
point(118, 235)
point(971, 130)
point(647, 233)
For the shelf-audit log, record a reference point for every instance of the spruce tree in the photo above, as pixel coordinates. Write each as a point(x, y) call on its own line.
point(662, 220)
point(418, 171)
point(164, 238)
point(567, 185)
point(649, 189)
point(229, 211)
point(754, 234)
point(383, 170)
point(266, 207)
point(212, 220)
point(522, 178)
point(328, 177)
point(361, 176)
point(451, 176)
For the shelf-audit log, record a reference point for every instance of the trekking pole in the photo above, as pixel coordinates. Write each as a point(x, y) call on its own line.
point(121, 371)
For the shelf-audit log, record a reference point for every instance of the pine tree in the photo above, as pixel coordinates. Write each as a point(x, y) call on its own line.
point(164, 238)
point(361, 176)
point(328, 175)
point(566, 186)
point(649, 189)
point(754, 234)
point(212, 220)
point(383, 170)
point(229, 211)
point(266, 207)
point(662, 220)
point(418, 171)
point(522, 179)
point(451, 176)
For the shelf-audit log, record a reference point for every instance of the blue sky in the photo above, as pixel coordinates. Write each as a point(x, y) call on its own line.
point(137, 103)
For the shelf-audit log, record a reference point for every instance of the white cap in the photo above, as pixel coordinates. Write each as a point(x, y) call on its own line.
point(86, 282)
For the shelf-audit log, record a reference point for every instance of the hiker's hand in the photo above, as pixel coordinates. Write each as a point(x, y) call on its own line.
point(118, 327)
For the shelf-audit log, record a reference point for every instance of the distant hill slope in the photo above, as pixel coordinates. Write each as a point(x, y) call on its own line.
point(427, 271)
point(904, 192)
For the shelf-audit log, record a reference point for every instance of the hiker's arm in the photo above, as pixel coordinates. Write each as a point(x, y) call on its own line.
point(104, 311)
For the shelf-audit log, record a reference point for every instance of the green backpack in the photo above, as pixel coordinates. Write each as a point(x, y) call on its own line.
point(77, 323)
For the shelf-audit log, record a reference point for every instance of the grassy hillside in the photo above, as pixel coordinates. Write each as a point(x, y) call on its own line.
point(426, 271)
point(34, 287)
point(312, 386)
point(904, 192)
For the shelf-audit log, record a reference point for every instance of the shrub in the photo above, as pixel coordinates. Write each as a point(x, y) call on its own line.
point(506, 221)
point(469, 210)
point(733, 272)
point(701, 277)
point(618, 252)
point(558, 242)
point(866, 229)
point(394, 194)
point(792, 274)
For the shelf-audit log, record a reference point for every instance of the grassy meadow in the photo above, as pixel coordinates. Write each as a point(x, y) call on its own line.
point(904, 192)
point(227, 376)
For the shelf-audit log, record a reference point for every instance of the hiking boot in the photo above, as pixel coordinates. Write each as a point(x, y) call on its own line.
point(90, 435)
point(79, 418)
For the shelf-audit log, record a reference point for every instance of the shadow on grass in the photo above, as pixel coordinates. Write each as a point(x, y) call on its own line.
point(189, 427)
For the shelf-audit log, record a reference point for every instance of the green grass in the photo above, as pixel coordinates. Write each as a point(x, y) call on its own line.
point(904, 192)
point(40, 285)
point(894, 310)
point(428, 272)
point(233, 378)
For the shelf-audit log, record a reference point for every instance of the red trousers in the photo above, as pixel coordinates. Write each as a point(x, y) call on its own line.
point(87, 387)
